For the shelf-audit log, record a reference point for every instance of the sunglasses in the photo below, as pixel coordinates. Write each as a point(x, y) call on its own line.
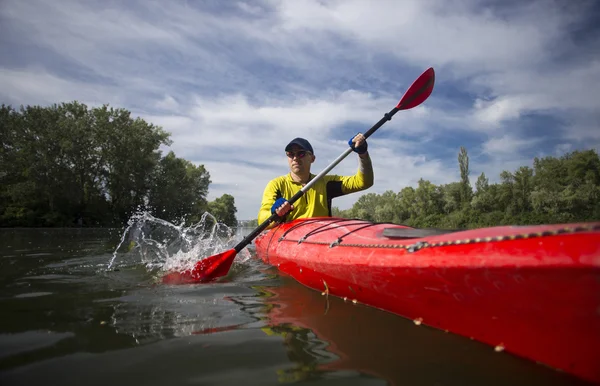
point(299, 153)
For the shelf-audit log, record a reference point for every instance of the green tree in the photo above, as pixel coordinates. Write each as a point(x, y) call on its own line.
point(365, 206)
point(486, 198)
point(482, 184)
point(466, 192)
point(179, 189)
point(428, 199)
point(452, 196)
point(506, 191)
point(408, 204)
point(561, 189)
point(64, 163)
point(567, 188)
point(522, 187)
point(224, 210)
point(387, 208)
point(132, 154)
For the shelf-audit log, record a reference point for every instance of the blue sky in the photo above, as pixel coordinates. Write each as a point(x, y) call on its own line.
point(234, 81)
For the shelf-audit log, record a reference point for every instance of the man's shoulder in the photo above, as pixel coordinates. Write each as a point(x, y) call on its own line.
point(279, 180)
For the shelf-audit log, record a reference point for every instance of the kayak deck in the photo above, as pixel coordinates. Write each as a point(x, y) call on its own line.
point(534, 290)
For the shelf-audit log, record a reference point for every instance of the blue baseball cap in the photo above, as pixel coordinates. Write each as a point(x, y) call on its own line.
point(301, 143)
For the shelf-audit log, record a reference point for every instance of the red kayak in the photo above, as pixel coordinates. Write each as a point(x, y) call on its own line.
point(533, 291)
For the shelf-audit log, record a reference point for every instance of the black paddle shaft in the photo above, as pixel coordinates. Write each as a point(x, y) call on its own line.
point(248, 239)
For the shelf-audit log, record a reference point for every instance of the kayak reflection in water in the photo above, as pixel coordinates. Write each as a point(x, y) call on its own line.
point(327, 338)
point(316, 202)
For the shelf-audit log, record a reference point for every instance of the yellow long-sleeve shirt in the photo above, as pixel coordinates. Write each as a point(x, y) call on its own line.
point(316, 202)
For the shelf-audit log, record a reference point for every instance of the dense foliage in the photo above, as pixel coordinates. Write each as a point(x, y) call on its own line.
point(67, 165)
point(555, 190)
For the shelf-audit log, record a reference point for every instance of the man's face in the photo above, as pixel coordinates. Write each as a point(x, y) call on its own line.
point(299, 164)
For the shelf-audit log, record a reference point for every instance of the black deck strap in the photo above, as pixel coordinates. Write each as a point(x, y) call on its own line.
point(354, 230)
point(300, 224)
point(326, 227)
point(327, 222)
point(414, 233)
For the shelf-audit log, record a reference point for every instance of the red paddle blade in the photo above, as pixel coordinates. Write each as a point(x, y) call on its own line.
point(418, 91)
point(205, 270)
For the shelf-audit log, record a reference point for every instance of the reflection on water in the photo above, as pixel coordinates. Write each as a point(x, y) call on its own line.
point(326, 335)
point(154, 314)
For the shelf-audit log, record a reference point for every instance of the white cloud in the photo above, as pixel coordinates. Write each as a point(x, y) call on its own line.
point(585, 128)
point(168, 103)
point(457, 33)
point(493, 113)
point(36, 86)
point(507, 145)
point(562, 148)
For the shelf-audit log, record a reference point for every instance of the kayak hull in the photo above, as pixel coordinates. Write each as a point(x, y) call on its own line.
point(532, 291)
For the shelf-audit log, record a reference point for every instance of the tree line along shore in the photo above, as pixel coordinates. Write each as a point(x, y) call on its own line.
point(70, 165)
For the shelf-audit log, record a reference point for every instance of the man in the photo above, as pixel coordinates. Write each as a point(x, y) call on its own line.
point(316, 202)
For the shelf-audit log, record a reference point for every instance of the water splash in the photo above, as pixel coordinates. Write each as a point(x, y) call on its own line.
point(162, 245)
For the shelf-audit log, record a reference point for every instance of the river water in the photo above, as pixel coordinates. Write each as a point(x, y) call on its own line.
point(68, 319)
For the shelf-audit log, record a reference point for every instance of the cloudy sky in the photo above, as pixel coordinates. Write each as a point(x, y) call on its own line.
point(234, 81)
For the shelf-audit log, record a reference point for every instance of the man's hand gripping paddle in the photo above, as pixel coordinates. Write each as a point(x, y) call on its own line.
point(218, 265)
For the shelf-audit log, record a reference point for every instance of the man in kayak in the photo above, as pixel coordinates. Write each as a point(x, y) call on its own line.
point(316, 202)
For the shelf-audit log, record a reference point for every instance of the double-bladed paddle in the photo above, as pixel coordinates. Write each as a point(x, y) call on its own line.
point(218, 265)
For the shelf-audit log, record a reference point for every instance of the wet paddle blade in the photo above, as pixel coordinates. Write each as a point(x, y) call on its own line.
point(216, 266)
point(418, 91)
point(205, 270)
